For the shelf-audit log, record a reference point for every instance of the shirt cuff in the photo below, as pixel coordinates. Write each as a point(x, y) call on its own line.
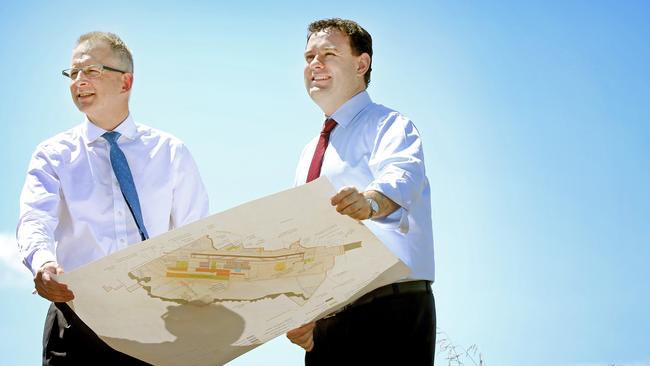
point(39, 258)
point(398, 219)
point(400, 215)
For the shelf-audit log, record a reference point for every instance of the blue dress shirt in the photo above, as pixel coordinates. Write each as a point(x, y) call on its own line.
point(377, 148)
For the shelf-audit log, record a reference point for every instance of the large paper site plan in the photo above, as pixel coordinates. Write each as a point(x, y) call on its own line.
point(210, 291)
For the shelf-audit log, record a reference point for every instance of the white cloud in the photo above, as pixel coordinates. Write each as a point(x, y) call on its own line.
point(12, 271)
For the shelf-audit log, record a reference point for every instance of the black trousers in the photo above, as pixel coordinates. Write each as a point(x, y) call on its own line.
point(68, 341)
point(395, 329)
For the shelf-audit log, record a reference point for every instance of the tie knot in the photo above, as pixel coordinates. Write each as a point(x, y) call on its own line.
point(328, 126)
point(111, 136)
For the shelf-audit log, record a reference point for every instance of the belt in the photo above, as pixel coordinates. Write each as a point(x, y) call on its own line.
point(385, 291)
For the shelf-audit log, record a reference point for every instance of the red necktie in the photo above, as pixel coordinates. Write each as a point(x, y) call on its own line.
point(319, 153)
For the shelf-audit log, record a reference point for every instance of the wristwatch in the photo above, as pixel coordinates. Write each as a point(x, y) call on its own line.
point(374, 207)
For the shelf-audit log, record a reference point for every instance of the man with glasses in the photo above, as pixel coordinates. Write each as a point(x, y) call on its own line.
point(97, 188)
point(374, 156)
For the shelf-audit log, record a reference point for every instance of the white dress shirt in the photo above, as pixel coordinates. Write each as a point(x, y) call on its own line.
point(72, 210)
point(376, 148)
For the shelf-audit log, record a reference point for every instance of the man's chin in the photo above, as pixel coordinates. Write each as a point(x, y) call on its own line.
point(84, 108)
point(317, 93)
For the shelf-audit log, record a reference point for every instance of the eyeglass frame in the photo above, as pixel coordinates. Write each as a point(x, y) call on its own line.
point(66, 72)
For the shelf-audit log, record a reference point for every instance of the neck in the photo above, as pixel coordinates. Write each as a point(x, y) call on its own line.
point(330, 106)
point(109, 122)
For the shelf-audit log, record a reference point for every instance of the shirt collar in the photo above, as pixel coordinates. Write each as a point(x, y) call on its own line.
point(346, 113)
point(126, 128)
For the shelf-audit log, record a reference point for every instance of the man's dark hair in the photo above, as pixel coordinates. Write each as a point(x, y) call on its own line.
point(360, 39)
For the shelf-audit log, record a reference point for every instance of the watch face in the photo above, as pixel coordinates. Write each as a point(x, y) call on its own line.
point(374, 207)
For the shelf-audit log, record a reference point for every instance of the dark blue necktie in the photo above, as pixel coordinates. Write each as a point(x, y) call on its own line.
point(124, 177)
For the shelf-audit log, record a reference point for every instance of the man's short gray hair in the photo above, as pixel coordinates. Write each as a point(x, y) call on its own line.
point(116, 44)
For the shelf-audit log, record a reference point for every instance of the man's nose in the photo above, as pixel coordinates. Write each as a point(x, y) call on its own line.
point(81, 79)
point(80, 82)
point(315, 63)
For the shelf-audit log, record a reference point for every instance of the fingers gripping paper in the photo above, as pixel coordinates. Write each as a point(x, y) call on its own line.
point(210, 291)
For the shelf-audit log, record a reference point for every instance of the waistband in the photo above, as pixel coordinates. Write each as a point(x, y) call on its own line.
point(388, 290)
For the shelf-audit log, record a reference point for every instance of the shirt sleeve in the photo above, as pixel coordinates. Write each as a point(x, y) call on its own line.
point(190, 201)
point(397, 165)
point(39, 206)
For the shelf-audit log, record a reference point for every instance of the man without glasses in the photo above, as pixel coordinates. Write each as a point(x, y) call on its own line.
point(373, 155)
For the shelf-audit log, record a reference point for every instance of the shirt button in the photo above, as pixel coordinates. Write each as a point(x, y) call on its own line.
point(122, 241)
point(119, 213)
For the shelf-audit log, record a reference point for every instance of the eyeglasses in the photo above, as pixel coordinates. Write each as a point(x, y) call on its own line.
point(91, 71)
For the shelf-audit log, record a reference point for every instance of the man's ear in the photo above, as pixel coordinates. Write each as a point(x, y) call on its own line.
point(363, 64)
point(127, 81)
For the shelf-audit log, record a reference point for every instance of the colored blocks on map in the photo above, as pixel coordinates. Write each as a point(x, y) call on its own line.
point(211, 276)
point(217, 271)
point(204, 273)
point(180, 266)
point(355, 245)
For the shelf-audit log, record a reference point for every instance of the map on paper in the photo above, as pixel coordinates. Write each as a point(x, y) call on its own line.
point(210, 291)
point(200, 271)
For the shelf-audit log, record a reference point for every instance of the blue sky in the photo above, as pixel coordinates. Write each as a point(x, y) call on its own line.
point(536, 130)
